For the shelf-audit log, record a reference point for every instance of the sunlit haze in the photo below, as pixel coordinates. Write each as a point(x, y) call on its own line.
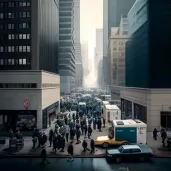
point(91, 17)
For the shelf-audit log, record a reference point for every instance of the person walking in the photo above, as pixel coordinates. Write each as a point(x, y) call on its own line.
point(44, 138)
point(71, 151)
point(92, 146)
point(94, 123)
point(67, 130)
point(44, 155)
point(85, 130)
point(104, 122)
point(84, 145)
point(89, 131)
point(62, 144)
point(155, 134)
point(55, 139)
point(164, 136)
point(78, 133)
point(50, 137)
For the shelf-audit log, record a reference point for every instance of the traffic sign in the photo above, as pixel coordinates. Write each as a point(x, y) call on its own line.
point(26, 103)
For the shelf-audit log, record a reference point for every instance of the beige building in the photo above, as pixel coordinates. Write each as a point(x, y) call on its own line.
point(149, 105)
point(116, 57)
point(29, 99)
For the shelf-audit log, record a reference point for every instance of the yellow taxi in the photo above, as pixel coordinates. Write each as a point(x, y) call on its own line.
point(106, 141)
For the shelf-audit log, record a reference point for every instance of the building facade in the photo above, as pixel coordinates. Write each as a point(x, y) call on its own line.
point(21, 24)
point(116, 53)
point(84, 53)
point(29, 101)
point(148, 87)
point(66, 45)
point(116, 56)
point(78, 57)
point(29, 40)
point(112, 12)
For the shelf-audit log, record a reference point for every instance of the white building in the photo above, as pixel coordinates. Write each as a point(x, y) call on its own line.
point(29, 99)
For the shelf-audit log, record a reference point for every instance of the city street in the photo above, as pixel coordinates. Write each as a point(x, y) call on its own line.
point(82, 164)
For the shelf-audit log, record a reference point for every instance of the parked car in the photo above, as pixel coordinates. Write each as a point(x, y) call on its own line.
point(124, 152)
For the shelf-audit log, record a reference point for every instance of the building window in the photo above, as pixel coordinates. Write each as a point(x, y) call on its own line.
point(10, 15)
point(20, 48)
point(16, 61)
point(10, 26)
point(1, 26)
point(28, 48)
point(1, 62)
point(20, 36)
point(114, 49)
point(24, 49)
point(9, 62)
point(20, 61)
point(22, 4)
point(28, 36)
point(9, 48)
point(28, 3)
point(16, 48)
point(12, 61)
point(24, 14)
point(1, 15)
point(24, 25)
point(1, 49)
point(11, 4)
point(1, 4)
point(28, 15)
point(24, 61)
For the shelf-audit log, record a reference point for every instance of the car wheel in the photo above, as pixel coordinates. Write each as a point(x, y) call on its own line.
point(105, 145)
point(118, 159)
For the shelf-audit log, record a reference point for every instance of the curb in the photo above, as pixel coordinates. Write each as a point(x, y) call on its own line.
point(38, 156)
point(67, 156)
point(164, 157)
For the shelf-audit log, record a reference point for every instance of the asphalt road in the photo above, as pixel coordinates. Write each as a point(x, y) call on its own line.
point(83, 164)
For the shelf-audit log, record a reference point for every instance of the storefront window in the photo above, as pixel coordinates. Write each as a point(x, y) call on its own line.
point(26, 122)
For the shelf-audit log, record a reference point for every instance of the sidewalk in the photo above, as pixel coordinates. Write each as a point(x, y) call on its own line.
point(27, 151)
point(156, 145)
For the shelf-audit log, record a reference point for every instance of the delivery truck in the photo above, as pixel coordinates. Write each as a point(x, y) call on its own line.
point(112, 112)
point(124, 132)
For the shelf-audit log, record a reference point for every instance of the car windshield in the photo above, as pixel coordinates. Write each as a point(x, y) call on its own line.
point(120, 149)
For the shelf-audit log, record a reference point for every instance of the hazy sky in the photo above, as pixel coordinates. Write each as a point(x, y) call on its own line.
point(91, 16)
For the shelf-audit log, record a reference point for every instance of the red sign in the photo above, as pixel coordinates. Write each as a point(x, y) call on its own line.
point(140, 132)
point(26, 103)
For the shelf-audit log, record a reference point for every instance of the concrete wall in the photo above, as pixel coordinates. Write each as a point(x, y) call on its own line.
point(156, 101)
point(50, 95)
point(39, 98)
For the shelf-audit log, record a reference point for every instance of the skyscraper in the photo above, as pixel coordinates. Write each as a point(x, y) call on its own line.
point(27, 40)
point(112, 12)
point(29, 86)
point(66, 45)
point(99, 45)
point(98, 50)
point(147, 94)
point(77, 45)
point(84, 52)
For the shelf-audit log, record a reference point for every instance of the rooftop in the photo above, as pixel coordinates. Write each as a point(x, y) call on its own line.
point(130, 146)
point(114, 107)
